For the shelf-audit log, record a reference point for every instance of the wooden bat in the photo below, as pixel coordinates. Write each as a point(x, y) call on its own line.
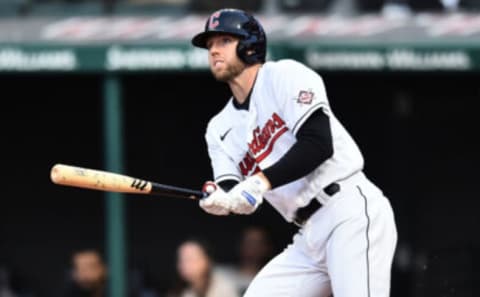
point(80, 177)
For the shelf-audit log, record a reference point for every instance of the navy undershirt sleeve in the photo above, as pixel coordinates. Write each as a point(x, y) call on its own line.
point(313, 147)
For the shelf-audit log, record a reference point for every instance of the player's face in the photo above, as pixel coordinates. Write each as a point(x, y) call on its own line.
point(222, 56)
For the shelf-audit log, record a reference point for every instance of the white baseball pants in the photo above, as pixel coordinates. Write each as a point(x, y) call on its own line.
point(346, 249)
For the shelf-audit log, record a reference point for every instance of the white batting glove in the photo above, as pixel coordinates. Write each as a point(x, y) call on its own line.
point(217, 202)
point(247, 195)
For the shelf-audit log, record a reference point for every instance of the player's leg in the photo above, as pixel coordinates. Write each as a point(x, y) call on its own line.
point(360, 250)
point(291, 273)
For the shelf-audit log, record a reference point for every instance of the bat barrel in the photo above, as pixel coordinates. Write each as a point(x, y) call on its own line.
point(68, 175)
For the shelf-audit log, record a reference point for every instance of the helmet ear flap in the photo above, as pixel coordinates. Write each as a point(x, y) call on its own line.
point(242, 51)
point(247, 52)
point(250, 51)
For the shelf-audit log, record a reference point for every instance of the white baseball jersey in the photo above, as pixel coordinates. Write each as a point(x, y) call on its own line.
point(242, 142)
point(346, 247)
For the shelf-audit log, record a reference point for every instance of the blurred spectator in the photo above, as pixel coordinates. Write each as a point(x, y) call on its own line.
point(88, 275)
point(338, 7)
point(405, 6)
point(425, 5)
point(473, 5)
point(209, 6)
point(303, 6)
point(196, 273)
point(396, 9)
point(9, 285)
point(255, 250)
point(160, 2)
point(431, 5)
point(451, 5)
point(6, 289)
point(462, 5)
point(366, 6)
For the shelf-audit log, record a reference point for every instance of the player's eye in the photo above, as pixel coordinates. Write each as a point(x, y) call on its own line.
point(226, 40)
point(209, 44)
point(222, 41)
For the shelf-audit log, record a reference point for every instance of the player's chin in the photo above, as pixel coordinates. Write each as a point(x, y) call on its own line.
point(223, 76)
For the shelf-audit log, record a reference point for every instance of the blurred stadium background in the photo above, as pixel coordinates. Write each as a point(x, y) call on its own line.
point(115, 84)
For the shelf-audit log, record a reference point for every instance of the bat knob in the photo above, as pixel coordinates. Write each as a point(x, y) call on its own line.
point(209, 187)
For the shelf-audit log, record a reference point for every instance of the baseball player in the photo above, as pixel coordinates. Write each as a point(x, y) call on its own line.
point(278, 139)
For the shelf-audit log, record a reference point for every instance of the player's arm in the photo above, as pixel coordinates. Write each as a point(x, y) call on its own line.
point(306, 111)
point(226, 176)
point(225, 171)
point(313, 147)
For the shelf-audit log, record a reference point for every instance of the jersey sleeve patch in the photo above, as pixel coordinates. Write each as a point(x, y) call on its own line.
point(305, 97)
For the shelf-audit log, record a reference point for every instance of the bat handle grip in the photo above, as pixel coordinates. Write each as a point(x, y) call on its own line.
point(203, 196)
point(174, 191)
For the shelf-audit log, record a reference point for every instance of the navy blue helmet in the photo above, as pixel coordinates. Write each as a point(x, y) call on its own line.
point(253, 42)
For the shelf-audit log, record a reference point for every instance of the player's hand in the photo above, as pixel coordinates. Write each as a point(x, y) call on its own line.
point(247, 195)
point(217, 202)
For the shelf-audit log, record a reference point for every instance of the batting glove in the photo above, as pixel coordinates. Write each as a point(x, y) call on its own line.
point(217, 202)
point(247, 195)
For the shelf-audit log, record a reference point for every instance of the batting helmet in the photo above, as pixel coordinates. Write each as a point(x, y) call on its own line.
point(251, 48)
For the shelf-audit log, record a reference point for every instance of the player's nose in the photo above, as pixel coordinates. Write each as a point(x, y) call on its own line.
point(213, 50)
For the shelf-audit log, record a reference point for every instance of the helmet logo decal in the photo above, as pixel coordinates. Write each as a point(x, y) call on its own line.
point(214, 22)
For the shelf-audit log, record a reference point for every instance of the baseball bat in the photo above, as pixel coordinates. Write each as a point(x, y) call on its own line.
point(80, 177)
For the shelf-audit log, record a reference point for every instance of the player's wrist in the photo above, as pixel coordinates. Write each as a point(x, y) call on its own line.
point(248, 194)
point(262, 182)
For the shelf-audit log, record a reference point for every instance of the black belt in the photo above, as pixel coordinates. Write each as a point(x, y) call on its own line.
point(304, 213)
